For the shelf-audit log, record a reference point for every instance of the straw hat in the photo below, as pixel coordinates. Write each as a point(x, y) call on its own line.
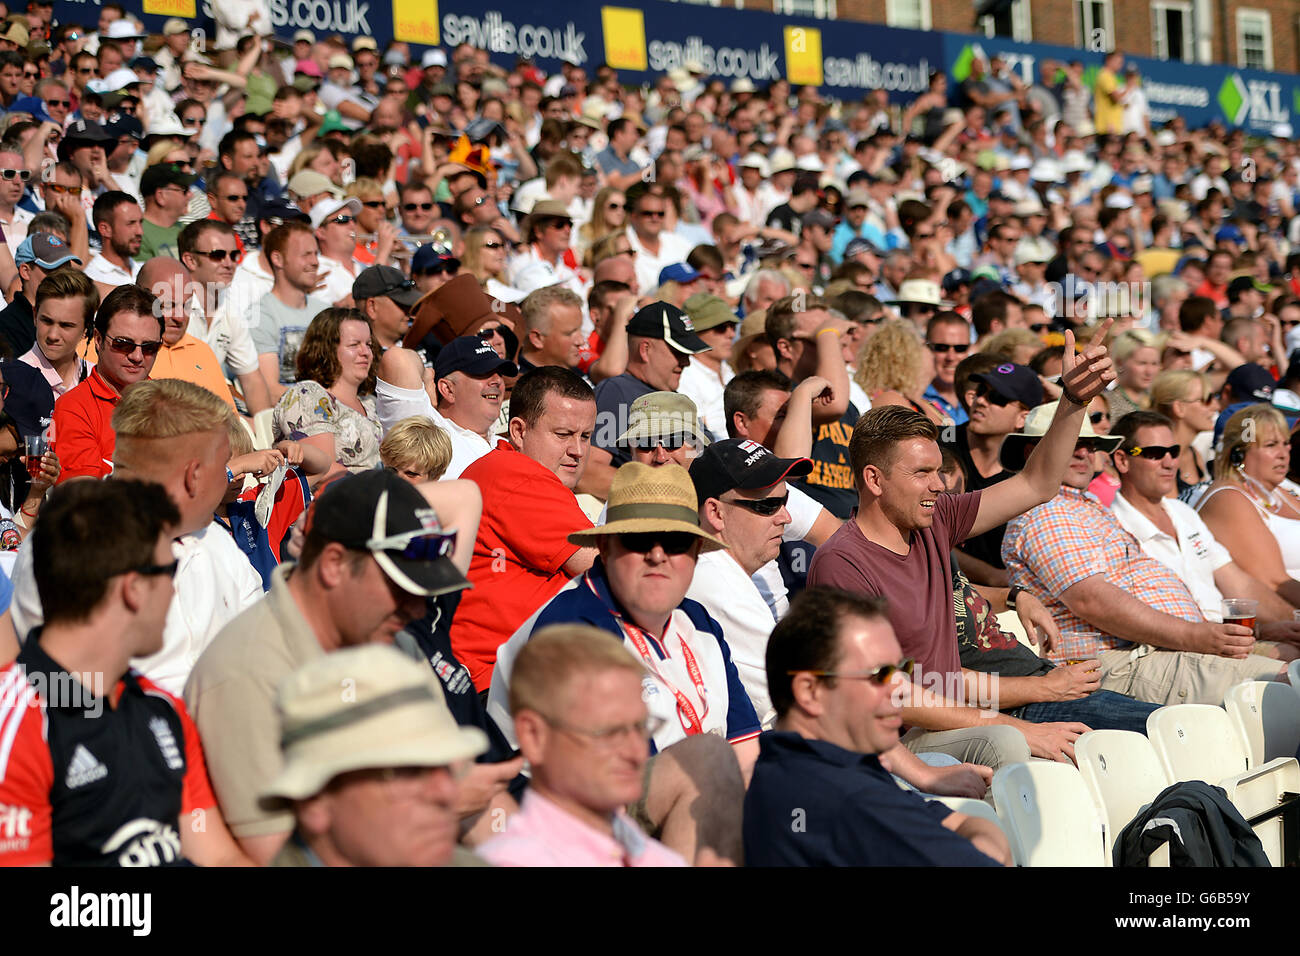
point(395, 716)
point(1012, 455)
point(642, 498)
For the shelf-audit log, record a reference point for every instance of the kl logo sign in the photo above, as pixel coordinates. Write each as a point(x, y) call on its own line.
point(1256, 101)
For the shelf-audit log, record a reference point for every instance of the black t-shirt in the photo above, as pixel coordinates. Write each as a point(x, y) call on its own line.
point(614, 398)
point(17, 327)
point(987, 546)
point(983, 645)
point(783, 217)
point(831, 480)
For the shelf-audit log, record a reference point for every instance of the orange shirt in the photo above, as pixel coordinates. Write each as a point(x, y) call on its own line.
point(83, 431)
point(192, 360)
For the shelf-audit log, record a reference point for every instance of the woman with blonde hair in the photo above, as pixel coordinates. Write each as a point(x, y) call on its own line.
point(1184, 397)
point(1136, 354)
point(485, 259)
point(894, 368)
point(1249, 507)
point(608, 216)
point(1014, 345)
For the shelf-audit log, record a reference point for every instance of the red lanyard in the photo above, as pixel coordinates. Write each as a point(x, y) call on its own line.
point(692, 722)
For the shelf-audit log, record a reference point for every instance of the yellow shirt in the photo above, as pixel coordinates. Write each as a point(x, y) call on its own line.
point(192, 360)
point(1109, 114)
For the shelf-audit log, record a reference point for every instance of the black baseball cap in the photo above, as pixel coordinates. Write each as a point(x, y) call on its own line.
point(744, 464)
point(659, 320)
point(1017, 382)
point(125, 125)
point(279, 210)
point(86, 131)
point(473, 356)
point(431, 256)
point(387, 281)
point(164, 174)
point(955, 279)
point(379, 512)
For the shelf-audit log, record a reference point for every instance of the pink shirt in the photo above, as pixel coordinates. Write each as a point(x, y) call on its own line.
point(37, 360)
point(543, 834)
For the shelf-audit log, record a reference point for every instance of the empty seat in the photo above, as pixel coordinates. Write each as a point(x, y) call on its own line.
point(1124, 775)
point(1049, 816)
point(1267, 717)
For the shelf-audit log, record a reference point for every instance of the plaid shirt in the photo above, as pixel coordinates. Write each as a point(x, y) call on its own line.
point(1072, 537)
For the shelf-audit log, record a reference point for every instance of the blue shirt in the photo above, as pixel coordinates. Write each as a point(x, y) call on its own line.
point(844, 234)
point(955, 412)
point(811, 803)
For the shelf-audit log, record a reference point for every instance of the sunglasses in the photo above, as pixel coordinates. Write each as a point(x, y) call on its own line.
point(761, 506)
point(1153, 452)
point(652, 213)
point(494, 245)
point(155, 570)
point(1096, 417)
point(1038, 328)
point(31, 75)
point(412, 206)
point(669, 442)
point(877, 675)
point(438, 268)
point(374, 204)
point(673, 542)
point(562, 224)
point(11, 174)
point(219, 255)
point(1092, 445)
point(416, 546)
point(615, 205)
point(943, 348)
point(343, 220)
point(626, 252)
point(67, 190)
point(993, 398)
point(806, 265)
point(127, 346)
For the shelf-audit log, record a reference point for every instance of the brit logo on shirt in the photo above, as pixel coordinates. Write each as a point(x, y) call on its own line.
point(162, 732)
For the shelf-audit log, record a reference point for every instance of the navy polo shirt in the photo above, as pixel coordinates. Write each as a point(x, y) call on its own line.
point(811, 803)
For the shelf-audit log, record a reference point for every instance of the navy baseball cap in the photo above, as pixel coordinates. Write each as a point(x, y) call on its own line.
point(955, 279)
point(1251, 381)
point(860, 245)
point(279, 210)
point(473, 356)
point(431, 257)
point(1017, 382)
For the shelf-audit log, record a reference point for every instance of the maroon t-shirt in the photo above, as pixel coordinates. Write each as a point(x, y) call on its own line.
point(918, 584)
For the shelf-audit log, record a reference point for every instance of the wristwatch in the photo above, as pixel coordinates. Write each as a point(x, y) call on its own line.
point(1014, 590)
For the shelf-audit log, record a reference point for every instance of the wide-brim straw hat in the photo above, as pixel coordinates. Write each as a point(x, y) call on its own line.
point(644, 498)
point(1012, 454)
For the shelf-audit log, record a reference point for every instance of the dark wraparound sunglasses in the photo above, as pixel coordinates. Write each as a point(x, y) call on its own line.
point(1153, 452)
point(219, 255)
point(128, 346)
point(943, 347)
point(983, 391)
point(673, 542)
point(760, 506)
point(877, 675)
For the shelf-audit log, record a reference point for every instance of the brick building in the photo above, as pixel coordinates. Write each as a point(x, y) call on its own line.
point(1263, 34)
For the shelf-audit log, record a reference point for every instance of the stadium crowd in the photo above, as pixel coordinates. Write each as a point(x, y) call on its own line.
point(537, 469)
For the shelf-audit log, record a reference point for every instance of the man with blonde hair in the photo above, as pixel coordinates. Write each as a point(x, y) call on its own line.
point(584, 728)
point(173, 433)
point(417, 449)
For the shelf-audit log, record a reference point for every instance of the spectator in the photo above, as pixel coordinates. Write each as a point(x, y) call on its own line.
point(330, 410)
point(128, 335)
point(655, 248)
point(369, 776)
point(835, 668)
point(281, 317)
point(894, 369)
point(553, 331)
point(39, 255)
point(65, 313)
point(583, 726)
point(1181, 396)
point(386, 297)
point(706, 377)
point(1106, 596)
point(166, 192)
point(333, 221)
point(104, 572)
point(351, 586)
point(1137, 363)
point(522, 556)
point(947, 336)
point(636, 592)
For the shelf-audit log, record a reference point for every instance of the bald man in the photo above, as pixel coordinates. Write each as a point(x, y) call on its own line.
point(182, 355)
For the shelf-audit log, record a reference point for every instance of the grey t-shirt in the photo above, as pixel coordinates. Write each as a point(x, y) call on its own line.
point(279, 328)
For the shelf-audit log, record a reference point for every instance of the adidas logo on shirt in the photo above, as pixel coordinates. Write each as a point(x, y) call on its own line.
point(84, 768)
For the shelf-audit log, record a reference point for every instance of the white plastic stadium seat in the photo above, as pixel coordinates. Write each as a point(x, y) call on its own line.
point(1199, 742)
point(1050, 817)
point(1293, 674)
point(1123, 775)
point(974, 808)
point(1267, 716)
point(1009, 621)
point(263, 436)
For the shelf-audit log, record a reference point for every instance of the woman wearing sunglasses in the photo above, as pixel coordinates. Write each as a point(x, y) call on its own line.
point(485, 259)
point(608, 216)
point(1184, 397)
point(331, 408)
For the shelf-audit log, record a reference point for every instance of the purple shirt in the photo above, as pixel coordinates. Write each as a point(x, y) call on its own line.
point(544, 834)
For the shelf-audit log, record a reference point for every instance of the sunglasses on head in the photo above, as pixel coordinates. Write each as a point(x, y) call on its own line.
point(412, 206)
point(10, 174)
point(416, 546)
point(127, 346)
point(673, 542)
point(942, 348)
point(1154, 452)
point(219, 255)
point(983, 391)
point(760, 506)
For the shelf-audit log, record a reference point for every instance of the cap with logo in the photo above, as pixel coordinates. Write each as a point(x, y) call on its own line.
point(46, 250)
point(1251, 381)
point(660, 414)
point(1019, 383)
point(279, 210)
point(678, 272)
point(473, 356)
point(708, 311)
point(379, 512)
point(432, 256)
point(85, 131)
point(659, 320)
point(386, 281)
point(744, 464)
point(395, 715)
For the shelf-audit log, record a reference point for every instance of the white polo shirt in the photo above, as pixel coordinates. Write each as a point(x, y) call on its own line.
point(392, 404)
point(705, 388)
point(99, 269)
point(1194, 556)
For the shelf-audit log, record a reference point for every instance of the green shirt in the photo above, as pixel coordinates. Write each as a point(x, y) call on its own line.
point(158, 241)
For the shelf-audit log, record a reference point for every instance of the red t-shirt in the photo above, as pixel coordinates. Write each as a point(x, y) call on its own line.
point(83, 430)
point(918, 584)
point(519, 554)
point(1219, 293)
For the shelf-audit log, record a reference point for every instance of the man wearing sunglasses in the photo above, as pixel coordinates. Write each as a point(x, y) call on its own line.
point(128, 335)
point(375, 548)
point(655, 247)
point(89, 785)
point(1113, 603)
point(335, 223)
point(636, 592)
point(14, 177)
point(947, 336)
point(1175, 535)
point(835, 672)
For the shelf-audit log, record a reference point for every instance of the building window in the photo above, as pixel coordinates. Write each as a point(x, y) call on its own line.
point(1005, 18)
point(1172, 34)
point(1254, 39)
point(1094, 25)
point(910, 14)
point(821, 9)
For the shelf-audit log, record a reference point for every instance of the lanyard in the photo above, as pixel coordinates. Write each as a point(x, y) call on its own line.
point(692, 722)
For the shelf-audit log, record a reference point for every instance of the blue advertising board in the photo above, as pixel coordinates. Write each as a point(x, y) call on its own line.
point(843, 58)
